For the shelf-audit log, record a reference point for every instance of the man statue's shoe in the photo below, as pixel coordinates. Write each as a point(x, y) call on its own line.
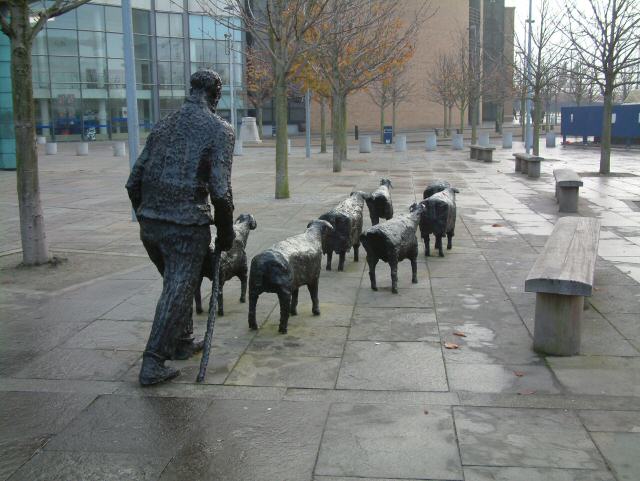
point(154, 371)
point(185, 350)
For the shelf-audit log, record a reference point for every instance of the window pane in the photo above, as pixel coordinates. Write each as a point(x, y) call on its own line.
point(177, 73)
point(162, 24)
point(177, 49)
point(142, 46)
point(164, 73)
point(92, 44)
point(221, 52)
point(164, 48)
point(93, 72)
point(195, 26)
point(195, 52)
point(140, 20)
point(236, 33)
point(237, 75)
point(223, 71)
point(209, 51)
point(91, 17)
point(40, 71)
point(40, 44)
point(113, 17)
point(116, 71)
point(143, 71)
point(208, 28)
point(220, 31)
point(115, 48)
point(176, 25)
point(64, 69)
point(67, 20)
point(63, 42)
point(145, 4)
point(195, 6)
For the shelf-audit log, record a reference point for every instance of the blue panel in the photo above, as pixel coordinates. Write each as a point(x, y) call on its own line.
point(587, 121)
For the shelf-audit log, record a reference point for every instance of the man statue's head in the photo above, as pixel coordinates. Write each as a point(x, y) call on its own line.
point(208, 84)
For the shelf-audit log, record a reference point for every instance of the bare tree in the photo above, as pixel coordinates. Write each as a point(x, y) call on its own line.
point(579, 84)
point(499, 88)
point(461, 76)
point(278, 27)
point(379, 93)
point(359, 42)
point(400, 91)
point(440, 86)
point(606, 40)
point(21, 20)
point(259, 75)
point(548, 54)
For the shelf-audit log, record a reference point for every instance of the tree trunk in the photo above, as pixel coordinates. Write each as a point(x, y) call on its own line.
point(537, 118)
point(323, 126)
point(605, 140)
point(382, 123)
point(259, 114)
point(393, 118)
point(444, 120)
point(523, 114)
point(462, 110)
point(474, 127)
point(499, 117)
point(32, 229)
point(339, 130)
point(282, 156)
point(450, 120)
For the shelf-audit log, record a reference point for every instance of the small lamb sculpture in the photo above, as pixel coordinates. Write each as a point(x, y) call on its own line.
point(346, 220)
point(233, 263)
point(439, 218)
point(379, 202)
point(434, 187)
point(392, 242)
point(285, 267)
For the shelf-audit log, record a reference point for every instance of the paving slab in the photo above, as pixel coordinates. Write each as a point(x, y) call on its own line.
point(534, 474)
point(622, 452)
point(393, 324)
point(613, 376)
point(389, 442)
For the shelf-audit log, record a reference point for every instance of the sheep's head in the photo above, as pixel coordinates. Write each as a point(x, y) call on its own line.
point(386, 182)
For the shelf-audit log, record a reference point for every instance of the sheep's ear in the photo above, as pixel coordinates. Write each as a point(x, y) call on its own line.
point(456, 190)
point(309, 224)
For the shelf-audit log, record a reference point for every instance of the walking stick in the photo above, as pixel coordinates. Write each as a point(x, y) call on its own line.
point(211, 320)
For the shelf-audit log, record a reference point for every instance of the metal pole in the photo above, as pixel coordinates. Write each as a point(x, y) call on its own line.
point(227, 36)
point(527, 145)
point(130, 81)
point(307, 120)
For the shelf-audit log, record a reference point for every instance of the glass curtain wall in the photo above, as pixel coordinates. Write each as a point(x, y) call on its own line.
point(78, 67)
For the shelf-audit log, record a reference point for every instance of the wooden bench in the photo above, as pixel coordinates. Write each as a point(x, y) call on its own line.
point(561, 277)
point(480, 152)
point(528, 164)
point(568, 182)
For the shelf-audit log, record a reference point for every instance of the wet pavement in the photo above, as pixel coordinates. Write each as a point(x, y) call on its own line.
point(365, 391)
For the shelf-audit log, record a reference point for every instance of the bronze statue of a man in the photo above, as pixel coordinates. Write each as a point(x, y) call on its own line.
point(187, 159)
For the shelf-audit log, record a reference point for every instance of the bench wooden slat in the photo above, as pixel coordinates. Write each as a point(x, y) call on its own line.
point(567, 178)
point(567, 263)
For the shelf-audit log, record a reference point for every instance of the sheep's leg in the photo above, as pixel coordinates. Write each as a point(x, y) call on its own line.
point(372, 261)
point(393, 264)
point(294, 303)
point(414, 269)
point(449, 238)
point(374, 219)
point(355, 252)
point(243, 283)
point(341, 261)
point(220, 305)
point(329, 257)
point(427, 250)
point(253, 302)
point(439, 245)
point(284, 296)
point(313, 292)
point(198, 297)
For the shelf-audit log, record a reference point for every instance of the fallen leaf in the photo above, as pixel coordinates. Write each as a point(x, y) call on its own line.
point(596, 289)
point(497, 225)
point(526, 392)
point(451, 345)
point(518, 373)
point(459, 334)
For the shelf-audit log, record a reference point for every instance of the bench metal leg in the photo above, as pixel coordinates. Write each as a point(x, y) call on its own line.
point(518, 165)
point(557, 324)
point(486, 156)
point(534, 170)
point(525, 167)
point(473, 153)
point(568, 199)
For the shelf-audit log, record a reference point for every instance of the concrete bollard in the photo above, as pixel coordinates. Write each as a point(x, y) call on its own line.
point(364, 144)
point(41, 140)
point(551, 139)
point(119, 149)
point(237, 147)
point(457, 142)
point(401, 143)
point(82, 148)
point(483, 139)
point(51, 148)
point(507, 140)
point(249, 131)
point(431, 142)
